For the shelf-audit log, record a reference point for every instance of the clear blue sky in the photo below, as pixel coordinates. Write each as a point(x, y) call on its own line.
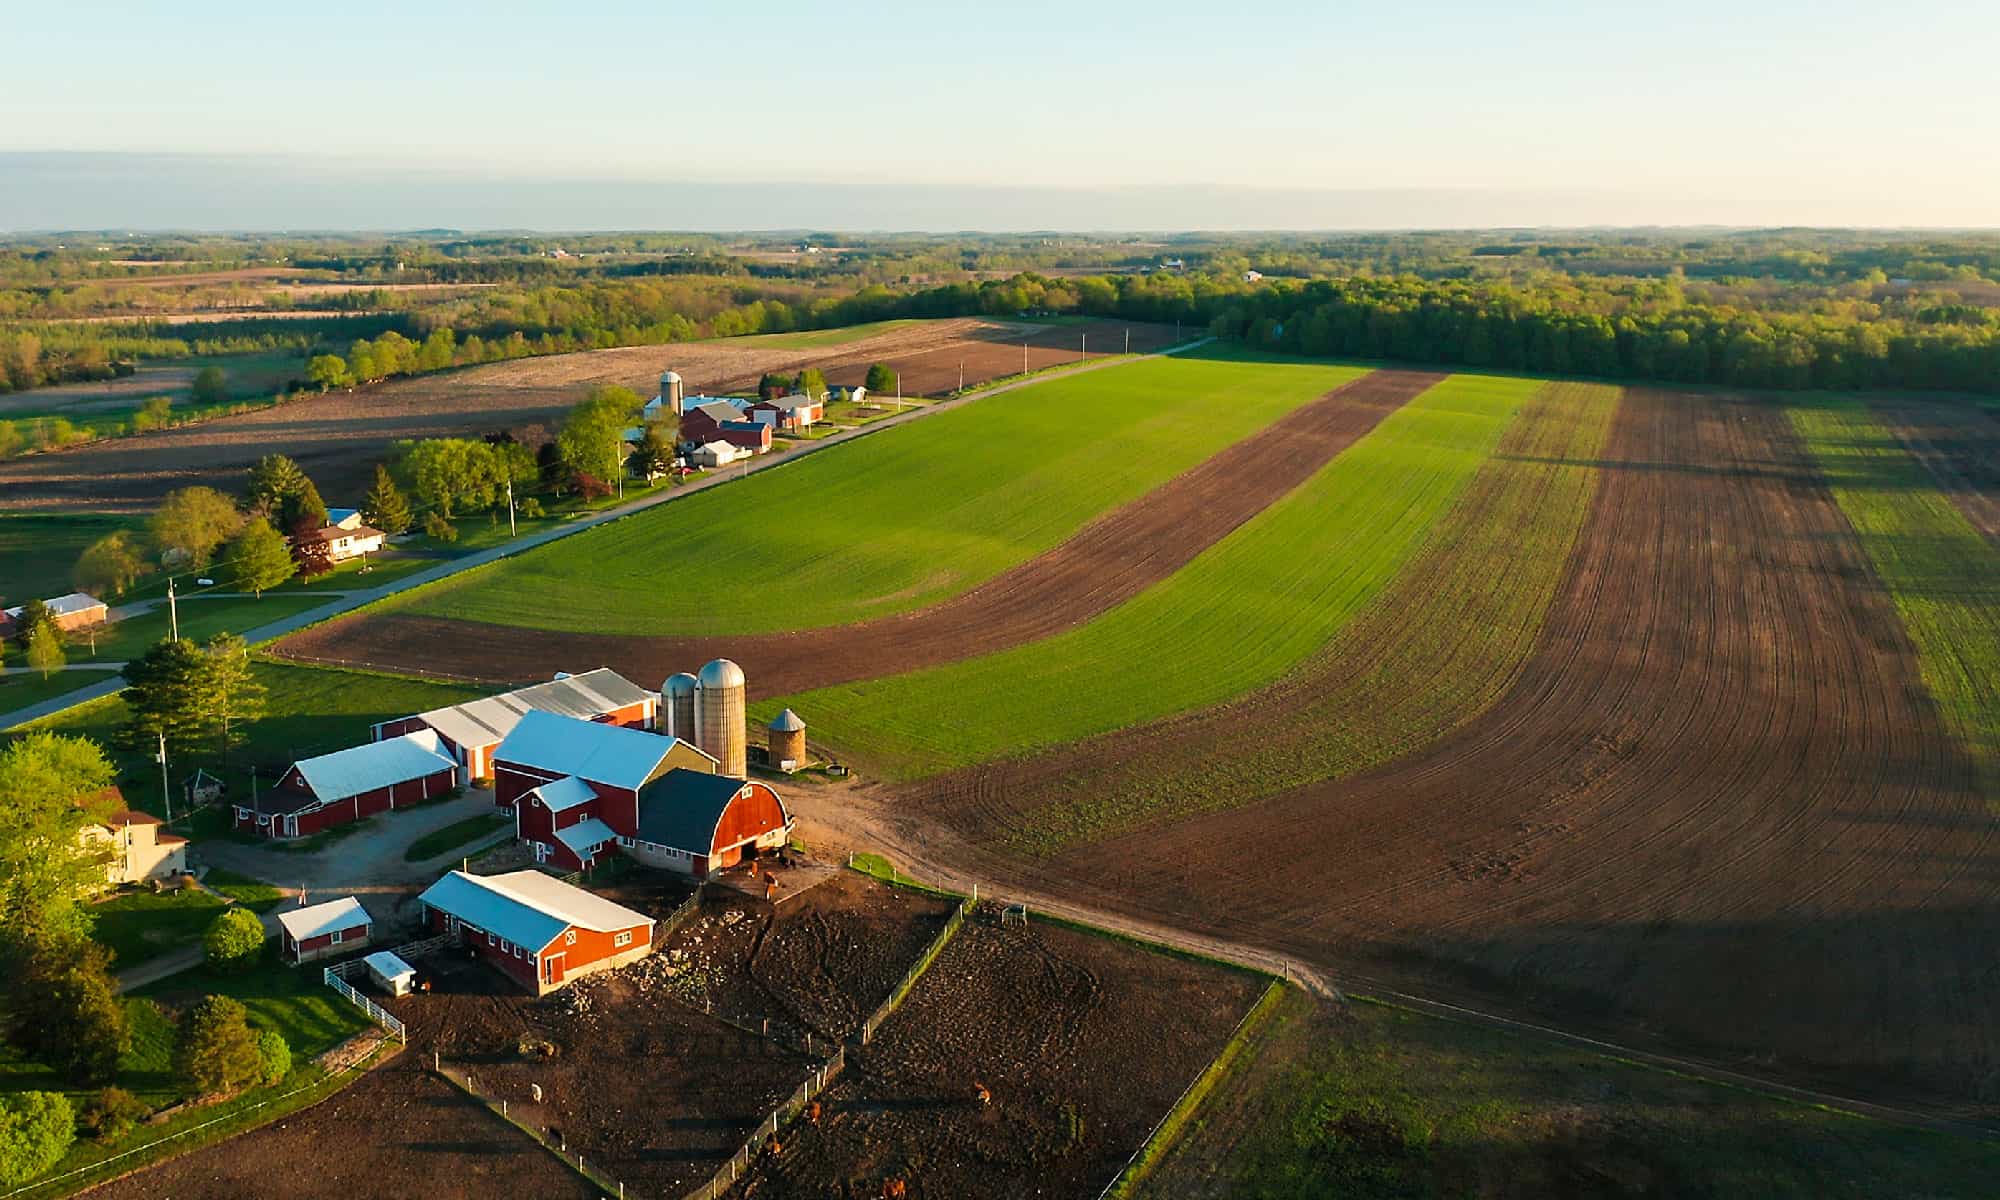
point(1776, 111)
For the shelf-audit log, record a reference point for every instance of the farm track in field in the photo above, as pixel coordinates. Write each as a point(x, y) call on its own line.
point(1717, 808)
point(1960, 447)
point(1108, 562)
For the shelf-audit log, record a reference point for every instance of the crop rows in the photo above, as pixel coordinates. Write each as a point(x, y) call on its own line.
point(1254, 606)
point(895, 521)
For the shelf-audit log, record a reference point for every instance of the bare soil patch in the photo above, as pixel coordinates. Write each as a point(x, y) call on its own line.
point(1960, 446)
point(397, 1132)
point(1107, 563)
point(1716, 810)
point(1082, 1042)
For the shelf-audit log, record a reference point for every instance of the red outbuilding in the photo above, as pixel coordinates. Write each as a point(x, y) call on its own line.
point(574, 785)
point(721, 422)
point(323, 930)
point(348, 785)
point(471, 731)
point(534, 928)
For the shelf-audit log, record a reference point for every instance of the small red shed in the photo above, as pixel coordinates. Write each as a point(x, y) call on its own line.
point(322, 930)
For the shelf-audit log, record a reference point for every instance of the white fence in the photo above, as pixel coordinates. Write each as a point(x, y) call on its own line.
point(381, 1016)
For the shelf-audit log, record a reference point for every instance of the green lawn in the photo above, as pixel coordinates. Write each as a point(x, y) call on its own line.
point(139, 925)
point(38, 551)
point(19, 691)
point(309, 710)
point(1248, 609)
point(456, 834)
point(816, 339)
point(200, 619)
point(253, 894)
point(1942, 574)
point(1368, 1102)
point(895, 521)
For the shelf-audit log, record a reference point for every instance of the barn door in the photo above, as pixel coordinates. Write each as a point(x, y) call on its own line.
point(552, 968)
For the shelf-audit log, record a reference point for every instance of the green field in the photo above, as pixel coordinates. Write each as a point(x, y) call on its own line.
point(1248, 609)
point(817, 339)
point(1368, 1102)
point(1942, 574)
point(140, 924)
point(199, 619)
point(19, 691)
point(895, 521)
point(38, 551)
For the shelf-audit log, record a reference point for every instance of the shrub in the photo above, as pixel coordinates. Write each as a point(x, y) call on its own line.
point(276, 1055)
point(217, 1052)
point(111, 1114)
point(235, 940)
point(36, 1129)
point(70, 1015)
point(532, 507)
point(439, 528)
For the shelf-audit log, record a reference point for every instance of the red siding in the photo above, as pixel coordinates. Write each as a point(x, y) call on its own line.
point(753, 813)
point(589, 947)
point(349, 808)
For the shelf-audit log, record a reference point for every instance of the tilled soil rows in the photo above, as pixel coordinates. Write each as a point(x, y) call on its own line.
point(1716, 809)
point(1081, 1042)
point(339, 437)
point(1107, 563)
point(398, 1132)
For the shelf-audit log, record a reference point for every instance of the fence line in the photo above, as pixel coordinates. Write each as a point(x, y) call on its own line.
point(902, 990)
point(787, 1110)
point(381, 1016)
point(466, 1085)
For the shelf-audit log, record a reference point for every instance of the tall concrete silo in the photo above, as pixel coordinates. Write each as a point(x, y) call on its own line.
point(672, 391)
point(677, 706)
point(719, 717)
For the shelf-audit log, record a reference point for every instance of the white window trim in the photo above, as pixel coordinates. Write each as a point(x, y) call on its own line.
point(337, 935)
point(622, 939)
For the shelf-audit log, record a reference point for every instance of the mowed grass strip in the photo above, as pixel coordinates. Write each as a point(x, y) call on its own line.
point(1248, 609)
point(1943, 576)
point(1436, 648)
point(895, 521)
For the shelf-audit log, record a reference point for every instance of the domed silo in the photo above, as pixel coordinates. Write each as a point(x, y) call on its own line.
point(718, 717)
point(788, 742)
point(672, 391)
point(677, 706)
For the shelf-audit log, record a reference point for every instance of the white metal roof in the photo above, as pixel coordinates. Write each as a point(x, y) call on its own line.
point(564, 794)
point(359, 769)
point(527, 907)
point(600, 753)
point(316, 919)
point(585, 836)
point(388, 965)
point(63, 606)
point(487, 722)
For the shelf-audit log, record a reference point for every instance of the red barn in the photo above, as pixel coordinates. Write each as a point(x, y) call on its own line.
point(698, 824)
point(534, 928)
point(574, 785)
point(472, 730)
point(320, 930)
point(348, 785)
point(722, 422)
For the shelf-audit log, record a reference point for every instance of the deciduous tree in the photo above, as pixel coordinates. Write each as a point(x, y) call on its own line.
point(257, 558)
point(50, 788)
point(111, 563)
point(329, 371)
point(880, 379)
point(44, 652)
point(234, 940)
point(217, 1051)
point(69, 1013)
point(36, 1129)
point(592, 438)
point(230, 691)
point(210, 386)
point(193, 521)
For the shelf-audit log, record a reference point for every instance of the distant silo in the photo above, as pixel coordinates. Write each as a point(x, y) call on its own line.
point(718, 717)
point(677, 706)
point(672, 391)
point(788, 742)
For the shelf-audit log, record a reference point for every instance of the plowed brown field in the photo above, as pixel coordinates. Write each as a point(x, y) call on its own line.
point(1110, 561)
point(1716, 807)
point(339, 437)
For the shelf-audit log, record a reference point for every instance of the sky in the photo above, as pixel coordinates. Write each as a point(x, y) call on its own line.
point(779, 114)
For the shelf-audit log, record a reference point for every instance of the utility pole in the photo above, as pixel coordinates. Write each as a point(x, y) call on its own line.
point(1086, 345)
point(1128, 341)
point(173, 613)
point(961, 374)
point(618, 465)
point(166, 789)
point(1024, 356)
point(510, 508)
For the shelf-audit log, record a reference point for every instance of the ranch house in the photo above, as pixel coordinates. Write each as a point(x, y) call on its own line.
point(574, 785)
point(322, 930)
point(473, 730)
point(338, 543)
point(348, 785)
point(534, 928)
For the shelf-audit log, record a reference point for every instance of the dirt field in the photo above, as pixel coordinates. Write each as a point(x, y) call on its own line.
point(1716, 809)
point(398, 1132)
point(1084, 1043)
point(1105, 564)
point(340, 436)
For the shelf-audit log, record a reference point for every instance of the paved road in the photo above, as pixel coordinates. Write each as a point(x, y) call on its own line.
point(356, 599)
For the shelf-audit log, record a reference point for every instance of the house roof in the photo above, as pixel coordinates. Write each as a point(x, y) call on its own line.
point(564, 794)
point(316, 919)
point(130, 816)
point(328, 533)
point(717, 411)
point(527, 907)
point(682, 808)
point(365, 768)
point(65, 606)
point(585, 836)
point(488, 721)
point(600, 753)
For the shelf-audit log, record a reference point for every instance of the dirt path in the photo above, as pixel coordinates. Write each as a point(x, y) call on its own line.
point(1716, 810)
point(1109, 562)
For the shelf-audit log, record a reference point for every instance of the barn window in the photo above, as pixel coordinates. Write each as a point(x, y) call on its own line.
point(569, 938)
point(517, 952)
point(623, 939)
point(337, 935)
point(491, 940)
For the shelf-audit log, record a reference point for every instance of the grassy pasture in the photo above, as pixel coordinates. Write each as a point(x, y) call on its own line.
point(1247, 610)
point(1942, 575)
point(38, 551)
point(896, 521)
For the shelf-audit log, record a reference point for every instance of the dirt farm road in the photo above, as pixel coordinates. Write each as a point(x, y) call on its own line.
point(358, 599)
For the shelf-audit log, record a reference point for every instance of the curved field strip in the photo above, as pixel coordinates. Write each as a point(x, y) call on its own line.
point(892, 522)
point(1717, 809)
point(1252, 607)
point(1112, 560)
point(1438, 647)
point(1942, 573)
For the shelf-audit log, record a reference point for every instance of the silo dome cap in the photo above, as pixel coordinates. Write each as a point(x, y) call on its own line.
point(720, 674)
point(787, 722)
point(670, 377)
point(680, 683)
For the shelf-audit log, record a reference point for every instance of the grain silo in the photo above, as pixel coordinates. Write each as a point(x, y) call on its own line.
point(672, 391)
point(718, 717)
point(677, 706)
point(788, 742)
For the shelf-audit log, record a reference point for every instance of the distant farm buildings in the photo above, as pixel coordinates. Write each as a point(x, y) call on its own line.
point(788, 412)
point(536, 929)
point(472, 730)
point(721, 421)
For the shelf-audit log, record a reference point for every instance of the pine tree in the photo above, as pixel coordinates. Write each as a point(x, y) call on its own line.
point(274, 481)
point(217, 1052)
point(384, 506)
point(167, 694)
point(257, 559)
point(305, 506)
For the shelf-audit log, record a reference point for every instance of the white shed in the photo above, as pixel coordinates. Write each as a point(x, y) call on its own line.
point(391, 973)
